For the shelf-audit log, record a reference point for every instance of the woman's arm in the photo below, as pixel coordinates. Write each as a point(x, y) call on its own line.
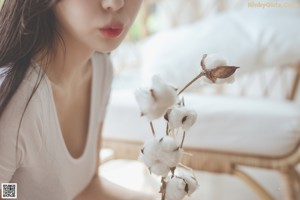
point(101, 189)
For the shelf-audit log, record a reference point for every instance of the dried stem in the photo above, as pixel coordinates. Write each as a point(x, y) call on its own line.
point(163, 189)
point(152, 128)
point(167, 129)
point(183, 137)
point(191, 82)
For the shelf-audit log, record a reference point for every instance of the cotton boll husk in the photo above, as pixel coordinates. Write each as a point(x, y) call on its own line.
point(220, 81)
point(160, 169)
point(165, 94)
point(212, 61)
point(175, 189)
point(176, 116)
point(230, 79)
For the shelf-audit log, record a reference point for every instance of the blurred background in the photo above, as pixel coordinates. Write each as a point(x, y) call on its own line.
point(258, 114)
point(170, 37)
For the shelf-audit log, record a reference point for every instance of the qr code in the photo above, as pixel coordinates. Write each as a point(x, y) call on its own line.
point(9, 190)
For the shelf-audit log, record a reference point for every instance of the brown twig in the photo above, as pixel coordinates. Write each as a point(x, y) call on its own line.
point(191, 82)
point(163, 188)
point(167, 129)
point(152, 128)
point(183, 137)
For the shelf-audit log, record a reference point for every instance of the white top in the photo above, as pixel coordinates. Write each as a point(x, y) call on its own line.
point(37, 158)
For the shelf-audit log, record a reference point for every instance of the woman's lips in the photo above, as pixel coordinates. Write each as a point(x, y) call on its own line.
point(112, 30)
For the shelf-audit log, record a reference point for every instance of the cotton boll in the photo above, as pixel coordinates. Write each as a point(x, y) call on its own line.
point(148, 105)
point(189, 179)
point(189, 121)
point(171, 159)
point(216, 70)
point(192, 183)
point(156, 113)
point(212, 61)
point(160, 169)
point(175, 189)
point(144, 100)
point(161, 154)
point(141, 157)
point(165, 94)
point(147, 160)
point(182, 117)
point(170, 153)
point(151, 152)
point(168, 143)
point(154, 102)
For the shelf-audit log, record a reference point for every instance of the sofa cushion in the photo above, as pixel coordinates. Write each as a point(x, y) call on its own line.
point(235, 124)
point(249, 38)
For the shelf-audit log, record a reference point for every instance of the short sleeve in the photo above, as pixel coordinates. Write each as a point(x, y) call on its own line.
point(10, 154)
point(19, 139)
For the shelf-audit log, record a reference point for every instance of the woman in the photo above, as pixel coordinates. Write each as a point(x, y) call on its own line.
point(54, 94)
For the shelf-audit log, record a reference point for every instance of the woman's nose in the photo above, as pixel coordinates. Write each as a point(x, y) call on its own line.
point(112, 5)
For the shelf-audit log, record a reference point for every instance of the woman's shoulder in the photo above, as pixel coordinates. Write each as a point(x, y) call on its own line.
point(22, 121)
point(26, 103)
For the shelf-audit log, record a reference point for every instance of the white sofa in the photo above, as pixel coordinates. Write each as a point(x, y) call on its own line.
point(254, 39)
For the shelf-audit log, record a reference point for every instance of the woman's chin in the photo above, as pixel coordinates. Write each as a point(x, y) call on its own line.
point(107, 48)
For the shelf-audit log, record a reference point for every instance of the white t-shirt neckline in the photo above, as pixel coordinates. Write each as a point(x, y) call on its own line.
point(59, 130)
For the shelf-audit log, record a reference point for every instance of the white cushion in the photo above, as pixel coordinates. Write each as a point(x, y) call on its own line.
point(254, 126)
point(250, 38)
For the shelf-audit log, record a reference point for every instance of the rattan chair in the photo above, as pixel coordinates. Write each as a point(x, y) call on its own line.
point(217, 161)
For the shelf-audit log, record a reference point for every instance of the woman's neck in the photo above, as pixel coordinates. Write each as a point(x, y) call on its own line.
point(69, 62)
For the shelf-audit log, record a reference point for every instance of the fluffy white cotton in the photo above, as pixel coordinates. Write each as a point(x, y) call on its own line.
point(144, 99)
point(149, 155)
point(155, 101)
point(176, 189)
point(182, 184)
point(160, 155)
point(213, 60)
point(160, 169)
point(181, 117)
point(168, 144)
point(189, 179)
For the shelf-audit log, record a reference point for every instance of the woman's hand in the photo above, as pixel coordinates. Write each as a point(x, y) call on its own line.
point(101, 189)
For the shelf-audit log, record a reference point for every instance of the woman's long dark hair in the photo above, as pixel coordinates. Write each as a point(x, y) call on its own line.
point(27, 29)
